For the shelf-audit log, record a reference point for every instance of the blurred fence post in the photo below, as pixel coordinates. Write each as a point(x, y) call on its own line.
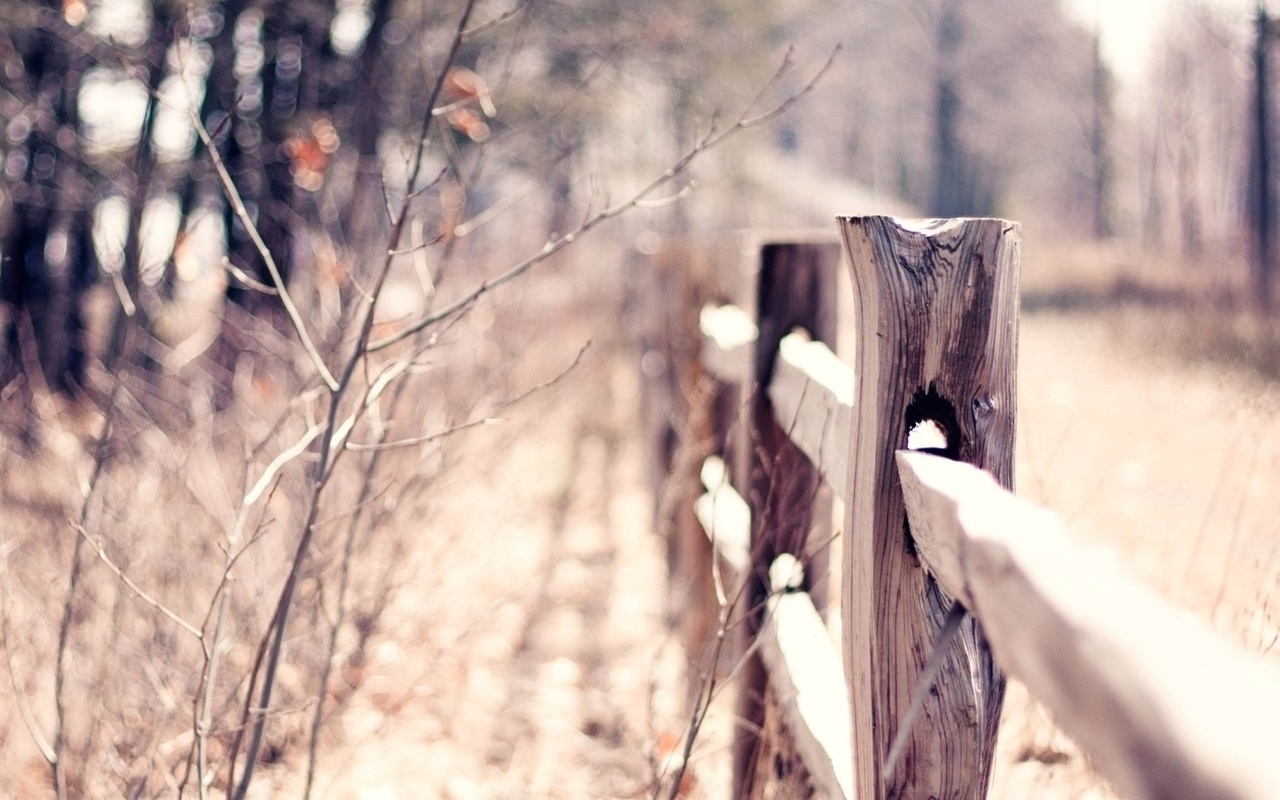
point(688, 417)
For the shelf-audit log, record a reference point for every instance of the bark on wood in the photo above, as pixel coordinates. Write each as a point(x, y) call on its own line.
point(937, 335)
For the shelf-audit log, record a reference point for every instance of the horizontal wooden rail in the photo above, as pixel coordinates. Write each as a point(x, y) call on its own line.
point(801, 659)
point(728, 342)
point(811, 390)
point(1164, 707)
point(812, 396)
point(724, 515)
point(805, 673)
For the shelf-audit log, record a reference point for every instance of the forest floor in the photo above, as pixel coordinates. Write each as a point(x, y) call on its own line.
point(539, 664)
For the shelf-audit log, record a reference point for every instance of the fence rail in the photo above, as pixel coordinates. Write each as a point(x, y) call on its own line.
point(1162, 706)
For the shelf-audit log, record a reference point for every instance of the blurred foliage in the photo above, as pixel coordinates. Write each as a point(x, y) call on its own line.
point(964, 108)
point(955, 106)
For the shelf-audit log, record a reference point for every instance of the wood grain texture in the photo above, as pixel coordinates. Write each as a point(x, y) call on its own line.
point(936, 305)
point(1164, 708)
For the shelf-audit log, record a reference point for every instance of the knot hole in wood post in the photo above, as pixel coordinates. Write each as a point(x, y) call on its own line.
point(932, 426)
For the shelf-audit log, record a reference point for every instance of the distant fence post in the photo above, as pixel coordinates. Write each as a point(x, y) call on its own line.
point(688, 418)
point(937, 339)
point(795, 288)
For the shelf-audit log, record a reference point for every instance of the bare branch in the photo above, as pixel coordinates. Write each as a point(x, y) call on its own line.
point(337, 440)
point(141, 593)
point(487, 25)
point(246, 278)
point(237, 205)
point(713, 138)
point(487, 419)
point(285, 456)
point(19, 693)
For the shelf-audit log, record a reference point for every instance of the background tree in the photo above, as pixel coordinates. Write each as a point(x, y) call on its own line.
point(1261, 203)
point(966, 108)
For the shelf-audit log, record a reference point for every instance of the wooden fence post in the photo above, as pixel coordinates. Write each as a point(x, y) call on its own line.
point(937, 338)
point(681, 424)
point(689, 419)
point(795, 288)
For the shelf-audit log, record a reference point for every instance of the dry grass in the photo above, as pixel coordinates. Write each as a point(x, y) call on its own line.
point(157, 533)
point(505, 631)
point(1147, 401)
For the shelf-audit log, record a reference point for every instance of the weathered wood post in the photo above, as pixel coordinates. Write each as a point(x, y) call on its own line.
point(795, 288)
point(937, 326)
point(690, 419)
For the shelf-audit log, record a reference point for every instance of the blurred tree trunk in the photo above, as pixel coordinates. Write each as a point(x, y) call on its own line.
point(1100, 141)
point(265, 86)
point(46, 255)
point(946, 197)
point(243, 83)
point(1262, 193)
point(958, 184)
point(565, 76)
point(197, 184)
point(359, 103)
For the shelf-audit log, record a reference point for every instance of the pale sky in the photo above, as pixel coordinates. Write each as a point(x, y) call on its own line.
point(1127, 30)
point(1128, 27)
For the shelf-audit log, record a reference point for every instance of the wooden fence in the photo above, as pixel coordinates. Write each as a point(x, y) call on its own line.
point(752, 407)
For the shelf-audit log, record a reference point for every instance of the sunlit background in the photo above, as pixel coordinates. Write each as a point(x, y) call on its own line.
point(482, 610)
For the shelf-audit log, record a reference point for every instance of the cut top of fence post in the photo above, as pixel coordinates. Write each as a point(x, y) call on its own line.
point(936, 304)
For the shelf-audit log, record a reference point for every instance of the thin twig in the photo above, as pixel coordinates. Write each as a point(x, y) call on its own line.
point(202, 703)
point(338, 439)
point(482, 27)
point(711, 139)
point(141, 593)
point(487, 419)
point(246, 278)
point(284, 457)
point(19, 691)
point(73, 586)
point(237, 205)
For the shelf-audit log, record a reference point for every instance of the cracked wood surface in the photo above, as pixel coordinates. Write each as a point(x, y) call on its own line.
point(936, 307)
